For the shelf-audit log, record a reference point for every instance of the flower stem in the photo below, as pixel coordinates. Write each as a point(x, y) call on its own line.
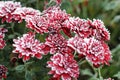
point(75, 53)
point(94, 69)
point(12, 27)
point(99, 73)
point(82, 62)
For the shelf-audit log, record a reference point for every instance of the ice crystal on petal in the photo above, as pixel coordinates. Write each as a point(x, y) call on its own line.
point(79, 26)
point(50, 20)
point(20, 13)
point(37, 23)
point(56, 17)
point(87, 28)
point(78, 44)
point(55, 14)
point(57, 43)
point(27, 46)
point(99, 30)
point(64, 66)
point(6, 10)
point(95, 51)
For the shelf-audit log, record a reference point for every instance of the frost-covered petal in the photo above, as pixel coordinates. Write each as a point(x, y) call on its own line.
point(27, 46)
point(64, 66)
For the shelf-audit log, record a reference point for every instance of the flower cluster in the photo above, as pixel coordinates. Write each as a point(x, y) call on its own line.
point(89, 40)
point(3, 71)
point(27, 46)
point(57, 43)
point(85, 37)
point(87, 28)
point(2, 35)
point(64, 66)
point(12, 11)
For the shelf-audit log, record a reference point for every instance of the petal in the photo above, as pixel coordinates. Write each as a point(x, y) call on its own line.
point(67, 31)
point(66, 77)
point(39, 56)
point(26, 58)
point(20, 55)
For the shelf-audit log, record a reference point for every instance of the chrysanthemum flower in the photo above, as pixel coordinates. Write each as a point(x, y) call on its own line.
point(27, 46)
point(96, 52)
point(3, 71)
point(55, 14)
point(63, 66)
point(79, 26)
point(6, 10)
point(99, 30)
point(37, 23)
point(20, 13)
point(56, 17)
point(78, 44)
point(57, 43)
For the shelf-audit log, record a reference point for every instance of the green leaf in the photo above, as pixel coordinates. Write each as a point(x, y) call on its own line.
point(117, 75)
point(94, 78)
point(28, 75)
point(20, 68)
point(116, 50)
point(11, 36)
point(116, 19)
point(87, 72)
point(112, 5)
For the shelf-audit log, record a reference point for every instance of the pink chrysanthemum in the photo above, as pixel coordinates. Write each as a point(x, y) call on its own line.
point(64, 66)
point(3, 71)
point(2, 35)
point(6, 10)
point(20, 13)
point(99, 30)
point(27, 46)
point(37, 23)
point(55, 14)
point(79, 26)
point(57, 43)
point(56, 17)
point(96, 52)
point(78, 44)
